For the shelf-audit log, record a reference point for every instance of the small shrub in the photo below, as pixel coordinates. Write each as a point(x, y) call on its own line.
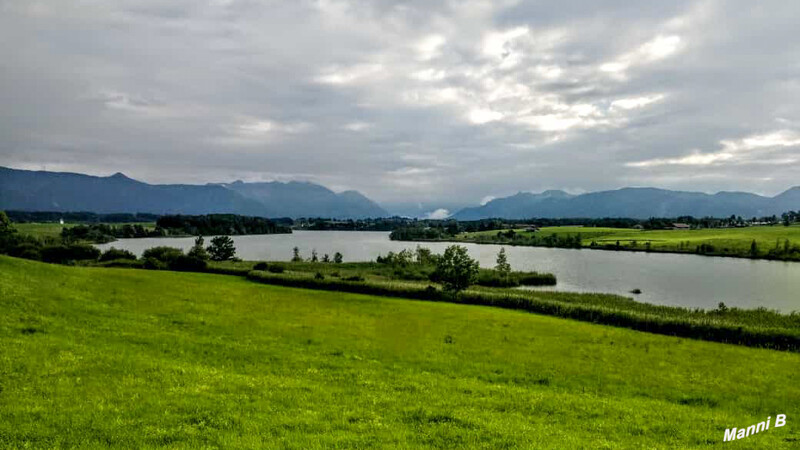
point(115, 253)
point(27, 250)
point(261, 266)
point(494, 278)
point(65, 253)
point(357, 278)
point(319, 276)
point(535, 279)
point(296, 255)
point(162, 254)
point(126, 263)
point(186, 263)
point(276, 268)
point(198, 251)
point(152, 263)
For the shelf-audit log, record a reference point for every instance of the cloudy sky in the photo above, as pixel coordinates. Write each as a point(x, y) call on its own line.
point(441, 104)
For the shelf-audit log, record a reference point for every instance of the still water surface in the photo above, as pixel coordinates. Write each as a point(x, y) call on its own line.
point(668, 279)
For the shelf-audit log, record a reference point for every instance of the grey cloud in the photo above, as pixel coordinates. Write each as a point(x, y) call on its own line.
point(418, 104)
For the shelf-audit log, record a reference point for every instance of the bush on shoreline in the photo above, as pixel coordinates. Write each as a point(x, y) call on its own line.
point(115, 253)
point(64, 254)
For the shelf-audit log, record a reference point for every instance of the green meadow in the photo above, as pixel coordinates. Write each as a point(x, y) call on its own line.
point(723, 241)
point(106, 357)
point(40, 230)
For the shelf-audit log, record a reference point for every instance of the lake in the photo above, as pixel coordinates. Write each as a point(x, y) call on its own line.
point(667, 279)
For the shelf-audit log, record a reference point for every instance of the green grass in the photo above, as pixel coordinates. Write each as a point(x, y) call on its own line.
point(734, 239)
point(40, 230)
point(94, 357)
point(585, 232)
point(726, 241)
point(751, 327)
point(758, 327)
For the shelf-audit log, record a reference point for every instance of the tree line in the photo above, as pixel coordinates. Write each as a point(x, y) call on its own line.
point(78, 217)
point(219, 224)
point(175, 225)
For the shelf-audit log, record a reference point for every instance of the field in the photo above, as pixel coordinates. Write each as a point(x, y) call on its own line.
point(95, 357)
point(724, 241)
point(585, 232)
point(40, 230)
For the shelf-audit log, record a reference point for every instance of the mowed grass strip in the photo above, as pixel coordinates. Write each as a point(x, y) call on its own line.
point(94, 357)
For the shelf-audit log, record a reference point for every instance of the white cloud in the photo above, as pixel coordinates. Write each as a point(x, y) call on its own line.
point(695, 159)
point(656, 49)
point(660, 47)
point(257, 127)
point(349, 75)
point(357, 126)
point(429, 75)
point(735, 152)
point(482, 116)
point(410, 171)
point(615, 67)
point(635, 102)
point(487, 199)
point(252, 130)
point(549, 71)
point(429, 48)
point(438, 214)
point(780, 138)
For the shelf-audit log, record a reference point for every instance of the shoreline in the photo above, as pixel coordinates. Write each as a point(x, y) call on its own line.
point(621, 249)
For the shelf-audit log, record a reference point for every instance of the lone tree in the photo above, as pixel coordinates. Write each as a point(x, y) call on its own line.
point(5, 224)
point(296, 255)
point(503, 267)
point(456, 269)
point(753, 249)
point(198, 251)
point(337, 258)
point(314, 257)
point(221, 248)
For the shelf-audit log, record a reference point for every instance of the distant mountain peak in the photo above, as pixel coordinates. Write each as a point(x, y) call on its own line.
point(632, 202)
point(119, 193)
point(556, 193)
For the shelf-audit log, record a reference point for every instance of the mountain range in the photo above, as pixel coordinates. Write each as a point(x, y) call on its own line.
point(637, 203)
point(60, 191)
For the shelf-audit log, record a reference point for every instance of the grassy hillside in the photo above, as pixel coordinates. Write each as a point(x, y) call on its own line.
point(95, 357)
point(723, 241)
